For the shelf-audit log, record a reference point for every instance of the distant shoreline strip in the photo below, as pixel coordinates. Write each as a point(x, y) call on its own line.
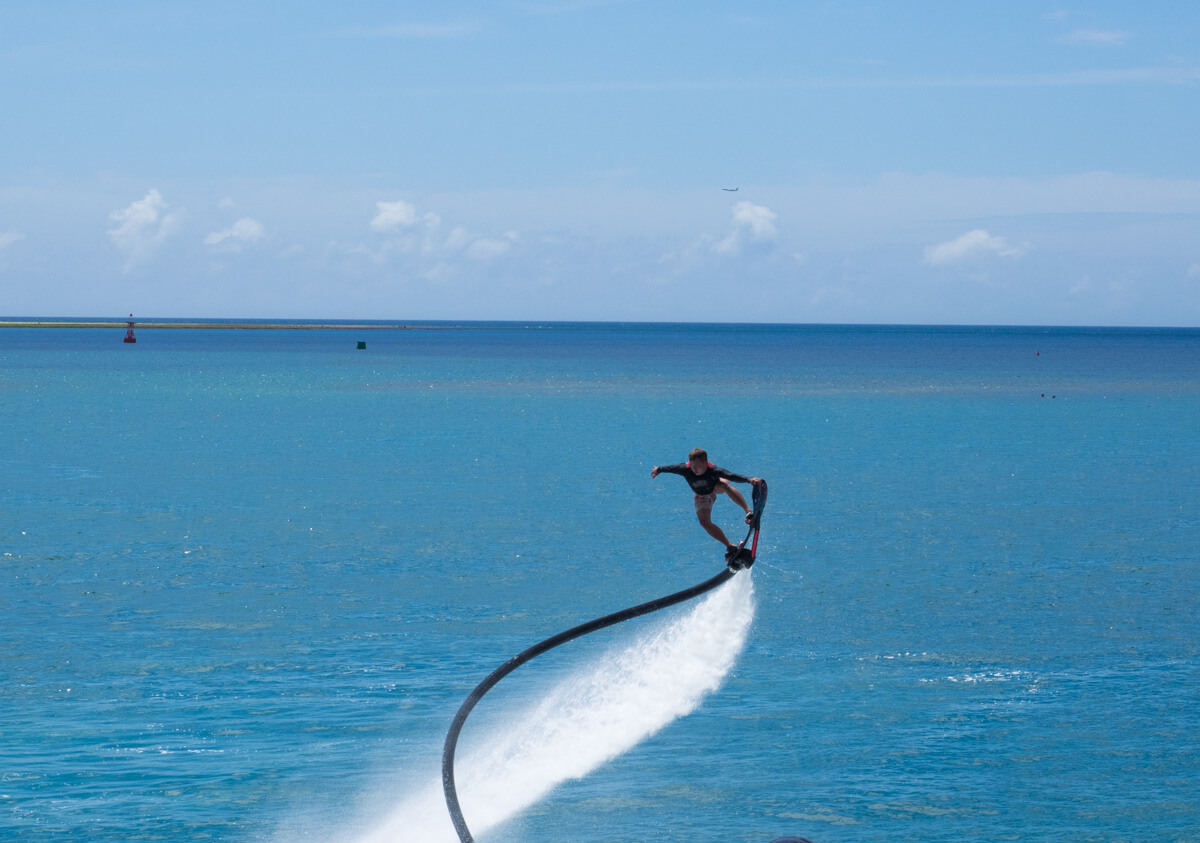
point(242, 326)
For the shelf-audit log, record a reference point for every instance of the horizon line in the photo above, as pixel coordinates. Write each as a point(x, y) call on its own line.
point(302, 323)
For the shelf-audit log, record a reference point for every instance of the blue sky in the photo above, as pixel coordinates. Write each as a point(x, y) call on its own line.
point(923, 162)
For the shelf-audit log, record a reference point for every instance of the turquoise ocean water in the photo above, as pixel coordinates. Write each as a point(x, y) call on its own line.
point(247, 578)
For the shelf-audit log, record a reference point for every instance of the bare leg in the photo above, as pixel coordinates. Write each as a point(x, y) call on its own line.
point(713, 529)
point(725, 488)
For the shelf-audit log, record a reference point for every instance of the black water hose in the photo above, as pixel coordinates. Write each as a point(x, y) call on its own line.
point(736, 563)
point(460, 825)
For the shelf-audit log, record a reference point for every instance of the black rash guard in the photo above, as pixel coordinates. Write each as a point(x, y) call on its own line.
point(702, 484)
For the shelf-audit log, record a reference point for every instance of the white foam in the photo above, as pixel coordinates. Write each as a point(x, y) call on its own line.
point(597, 713)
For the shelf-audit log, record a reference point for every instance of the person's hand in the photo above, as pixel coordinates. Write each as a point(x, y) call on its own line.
point(754, 481)
point(654, 471)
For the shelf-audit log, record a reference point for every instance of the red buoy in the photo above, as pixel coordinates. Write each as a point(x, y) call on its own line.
point(129, 337)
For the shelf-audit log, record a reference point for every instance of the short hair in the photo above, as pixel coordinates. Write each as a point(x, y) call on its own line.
point(698, 454)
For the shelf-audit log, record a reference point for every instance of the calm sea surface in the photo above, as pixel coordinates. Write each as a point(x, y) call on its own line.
point(247, 578)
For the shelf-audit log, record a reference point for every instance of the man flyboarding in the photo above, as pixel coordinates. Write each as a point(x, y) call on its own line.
point(708, 481)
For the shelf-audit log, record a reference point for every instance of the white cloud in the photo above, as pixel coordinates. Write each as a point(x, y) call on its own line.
point(1097, 37)
point(1194, 271)
point(759, 220)
point(753, 230)
point(142, 227)
point(390, 216)
point(440, 273)
point(488, 248)
point(751, 224)
point(7, 238)
point(242, 233)
point(225, 204)
point(413, 234)
point(973, 244)
point(457, 240)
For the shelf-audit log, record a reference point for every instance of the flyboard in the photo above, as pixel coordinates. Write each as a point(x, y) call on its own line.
point(742, 557)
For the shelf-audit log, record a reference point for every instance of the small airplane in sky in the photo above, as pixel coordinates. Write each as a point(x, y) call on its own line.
point(730, 189)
